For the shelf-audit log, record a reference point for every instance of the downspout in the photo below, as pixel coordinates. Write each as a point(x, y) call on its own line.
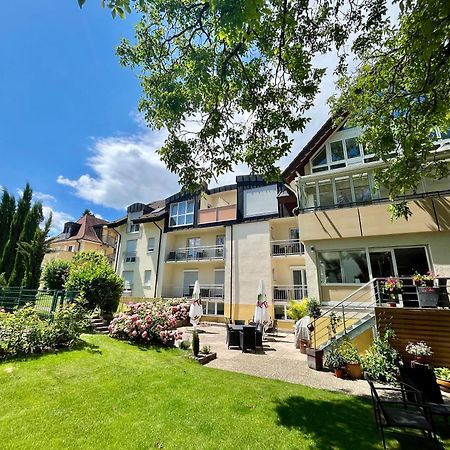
point(116, 259)
point(157, 262)
point(231, 275)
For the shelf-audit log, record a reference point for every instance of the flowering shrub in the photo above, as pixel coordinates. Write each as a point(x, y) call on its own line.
point(24, 331)
point(420, 348)
point(180, 311)
point(424, 280)
point(146, 322)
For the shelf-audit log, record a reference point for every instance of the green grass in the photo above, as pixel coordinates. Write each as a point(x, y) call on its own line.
point(111, 395)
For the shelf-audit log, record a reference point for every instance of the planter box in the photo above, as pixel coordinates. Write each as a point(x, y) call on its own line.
point(314, 358)
point(354, 371)
point(428, 296)
point(444, 385)
point(205, 359)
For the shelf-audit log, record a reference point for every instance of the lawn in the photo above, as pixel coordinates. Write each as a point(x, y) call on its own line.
point(112, 395)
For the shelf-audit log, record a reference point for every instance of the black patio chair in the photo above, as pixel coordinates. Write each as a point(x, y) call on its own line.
point(259, 335)
point(233, 337)
point(248, 338)
point(423, 379)
point(239, 322)
point(391, 413)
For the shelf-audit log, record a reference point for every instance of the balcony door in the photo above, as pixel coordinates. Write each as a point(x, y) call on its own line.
point(219, 282)
point(382, 263)
point(192, 245)
point(299, 282)
point(189, 279)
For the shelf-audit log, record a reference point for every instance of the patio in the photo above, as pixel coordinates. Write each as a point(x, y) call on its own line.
point(279, 360)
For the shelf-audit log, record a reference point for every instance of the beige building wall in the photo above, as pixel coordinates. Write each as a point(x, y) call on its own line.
point(144, 260)
point(225, 198)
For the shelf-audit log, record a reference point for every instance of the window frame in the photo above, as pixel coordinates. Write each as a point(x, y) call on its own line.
point(149, 283)
point(151, 250)
point(176, 216)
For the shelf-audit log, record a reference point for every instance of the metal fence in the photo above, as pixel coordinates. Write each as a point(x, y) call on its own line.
point(44, 301)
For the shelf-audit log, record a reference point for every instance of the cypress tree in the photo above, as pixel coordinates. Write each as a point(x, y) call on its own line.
point(33, 253)
point(32, 221)
point(10, 250)
point(7, 208)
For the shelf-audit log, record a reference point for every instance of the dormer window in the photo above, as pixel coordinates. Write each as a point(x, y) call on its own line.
point(182, 213)
point(133, 227)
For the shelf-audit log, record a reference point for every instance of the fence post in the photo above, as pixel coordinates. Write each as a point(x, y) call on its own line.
point(54, 301)
point(343, 319)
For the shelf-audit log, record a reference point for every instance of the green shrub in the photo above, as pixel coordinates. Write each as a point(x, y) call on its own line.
point(313, 308)
point(349, 352)
point(382, 362)
point(55, 274)
point(185, 345)
point(25, 331)
point(297, 309)
point(91, 274)
point(334, 358)
point(195, 343)
point(206, 349)
point(442, 373)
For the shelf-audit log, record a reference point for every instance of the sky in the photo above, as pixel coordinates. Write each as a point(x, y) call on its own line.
point(68, 117)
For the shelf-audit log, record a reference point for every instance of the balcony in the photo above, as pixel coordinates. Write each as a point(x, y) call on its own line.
point(214, 215)
point(286, 248)
point(205, 253)
point(284, 293)
point(207, 291)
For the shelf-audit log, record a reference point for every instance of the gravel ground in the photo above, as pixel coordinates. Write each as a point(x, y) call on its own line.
point(279, 360)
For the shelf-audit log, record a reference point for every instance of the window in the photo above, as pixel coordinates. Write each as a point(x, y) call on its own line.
point(133, 227)
point(130, 253)
point(294, 235)
point(260, 201)
point(127, 277)
point(353, 149)
point(147, 278)
point(348, 266)
point(326, 196)
point(343, 191)
point(181, 213)
point(337, 151)
point(444, 134)
point(151, 244)
point(70, 248)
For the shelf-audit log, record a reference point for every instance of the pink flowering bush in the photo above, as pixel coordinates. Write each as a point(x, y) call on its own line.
point(145, 323)
point(180, 311)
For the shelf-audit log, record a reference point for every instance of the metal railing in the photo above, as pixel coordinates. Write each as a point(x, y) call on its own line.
point(203, 253)
point(44, 301)
point(207, 291)
point(288, 247)
point(284, 293)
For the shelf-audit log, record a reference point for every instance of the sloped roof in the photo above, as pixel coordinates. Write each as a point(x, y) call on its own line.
point(86, 232)
point(156, 210)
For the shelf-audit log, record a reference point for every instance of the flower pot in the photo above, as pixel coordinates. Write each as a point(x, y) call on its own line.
point(420, 359)
point(428, 296)
point(443, 384)
point(354, 370)
point(303, 346)
point(392, 304)
point(339, 373)
point(314, 358)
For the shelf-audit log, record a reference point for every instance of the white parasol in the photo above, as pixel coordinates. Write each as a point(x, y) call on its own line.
point(261, 311)
point(196, 310)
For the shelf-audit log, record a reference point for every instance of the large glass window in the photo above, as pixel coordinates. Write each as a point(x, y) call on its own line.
point(344, 267)
point(343, 191)
point(182, 213)
point(410, 260)
point(352, 146)
point(362, 188)
point(337, 151)
point(130, 254)
point(326, 195)
point(260, 201)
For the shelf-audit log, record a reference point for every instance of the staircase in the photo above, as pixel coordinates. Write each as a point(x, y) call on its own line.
point(350, 317)
point(99, 325)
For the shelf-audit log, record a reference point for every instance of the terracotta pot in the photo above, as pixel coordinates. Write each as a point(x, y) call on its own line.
point(354, 370)
point(339, 373)
point(303, 346)
point(392, 304)
point(443, 384)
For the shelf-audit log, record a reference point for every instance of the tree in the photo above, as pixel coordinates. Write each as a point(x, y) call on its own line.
point(244, 71)
point(17, 224)
point(91, 274)
point(7, 208)
point(55, 274)
point(31, 225)
point(33, 254)
point(87, 212)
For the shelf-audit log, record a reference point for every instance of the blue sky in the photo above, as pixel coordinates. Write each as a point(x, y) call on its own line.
point(68, 121)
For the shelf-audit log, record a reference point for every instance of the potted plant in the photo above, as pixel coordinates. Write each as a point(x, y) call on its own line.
point(334, 360)
point(314, 355)
point(443, 378)
point(351, 358)
point(427, 294)
point(392, 287)
point(420, 350)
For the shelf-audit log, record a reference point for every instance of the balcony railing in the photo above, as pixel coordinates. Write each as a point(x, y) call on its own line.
point(220, 214)
point(284, 293)
point(207, 291)
point(289, 247)
point(211, 252)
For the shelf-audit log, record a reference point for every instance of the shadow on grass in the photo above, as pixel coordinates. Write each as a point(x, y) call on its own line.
point(343, 424)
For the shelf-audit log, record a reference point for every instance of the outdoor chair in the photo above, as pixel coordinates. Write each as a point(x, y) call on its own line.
point(233, 337)
point(400, 413)
point(271, 327)
point(259, 335)
point(239, 322)
point(423, 379)
point(248, 338)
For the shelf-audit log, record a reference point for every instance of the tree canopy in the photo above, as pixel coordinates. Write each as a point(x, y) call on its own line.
point(232, 80)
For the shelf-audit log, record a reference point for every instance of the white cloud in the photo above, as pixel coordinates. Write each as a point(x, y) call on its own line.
point(43, 197)
point(59, 218)
point(125, 170)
